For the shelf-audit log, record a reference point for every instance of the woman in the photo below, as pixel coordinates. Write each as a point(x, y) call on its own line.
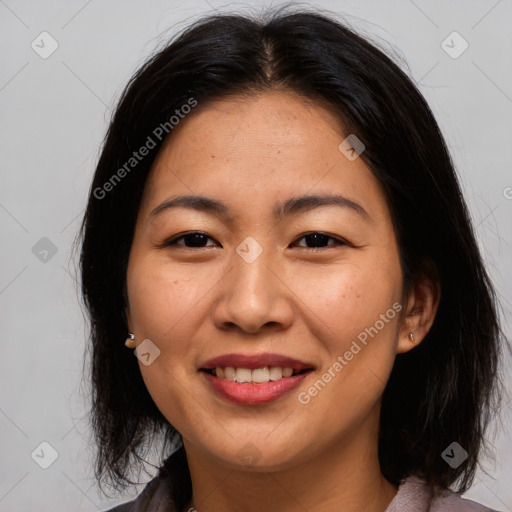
point(275, 226)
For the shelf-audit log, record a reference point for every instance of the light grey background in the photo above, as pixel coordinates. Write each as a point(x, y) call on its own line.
point(54, 113)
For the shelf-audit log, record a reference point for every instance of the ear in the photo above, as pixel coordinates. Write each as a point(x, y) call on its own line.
point(422, 304)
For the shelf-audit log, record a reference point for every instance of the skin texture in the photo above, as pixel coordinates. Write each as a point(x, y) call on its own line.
point(310, 304)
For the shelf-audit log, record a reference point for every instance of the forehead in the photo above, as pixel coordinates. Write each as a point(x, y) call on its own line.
point(274, 120)
point(249, 150)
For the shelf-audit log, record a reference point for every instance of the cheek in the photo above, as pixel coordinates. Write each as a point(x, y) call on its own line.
point(355, 317)
point(165, 302)
point(343, 300)
point(162, 296)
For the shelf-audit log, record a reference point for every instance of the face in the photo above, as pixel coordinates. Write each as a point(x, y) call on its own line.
point(261, 279)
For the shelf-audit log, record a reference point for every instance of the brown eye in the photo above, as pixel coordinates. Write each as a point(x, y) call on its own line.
point(192, 240)
point(319, 240)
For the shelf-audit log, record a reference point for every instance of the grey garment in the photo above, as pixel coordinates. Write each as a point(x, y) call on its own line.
point(155, 497)
point(414, 495)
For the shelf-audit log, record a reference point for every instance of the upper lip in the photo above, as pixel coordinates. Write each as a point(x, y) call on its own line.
point(253, 361)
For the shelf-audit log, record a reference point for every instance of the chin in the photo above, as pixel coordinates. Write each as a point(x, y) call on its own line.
point(258, 455)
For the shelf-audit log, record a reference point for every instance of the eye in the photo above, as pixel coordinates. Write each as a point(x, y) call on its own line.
point(315, 239)
point(194, 239)
point(318, 240)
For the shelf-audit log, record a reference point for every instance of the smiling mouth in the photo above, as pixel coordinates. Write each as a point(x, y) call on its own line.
point(254, 376)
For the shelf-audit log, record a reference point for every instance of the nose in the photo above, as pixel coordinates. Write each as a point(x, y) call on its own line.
point(253, 297)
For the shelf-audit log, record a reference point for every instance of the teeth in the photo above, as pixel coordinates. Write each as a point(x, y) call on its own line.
point(287, 372)
point(276, 373)
point(243, 375)
point(229, 373)
point(258, 375)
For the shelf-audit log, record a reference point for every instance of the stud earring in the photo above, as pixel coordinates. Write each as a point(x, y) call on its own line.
point(130, 341)
point(412, 338)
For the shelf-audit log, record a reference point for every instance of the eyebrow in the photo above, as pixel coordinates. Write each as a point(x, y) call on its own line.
point(291, 206)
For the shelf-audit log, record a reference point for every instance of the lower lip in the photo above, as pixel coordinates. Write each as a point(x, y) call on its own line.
point(249, 393)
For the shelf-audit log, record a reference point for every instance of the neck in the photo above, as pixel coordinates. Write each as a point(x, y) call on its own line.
point(347, 474)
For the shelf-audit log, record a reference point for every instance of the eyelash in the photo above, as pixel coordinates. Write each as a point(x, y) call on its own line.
point(338, 241)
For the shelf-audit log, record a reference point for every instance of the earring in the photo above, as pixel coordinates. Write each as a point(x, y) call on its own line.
point(130, 341)
point(412, 338)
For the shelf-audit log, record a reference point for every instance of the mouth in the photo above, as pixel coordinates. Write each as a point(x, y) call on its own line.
point(256, 376)
point(255, 379)
point(258, 369)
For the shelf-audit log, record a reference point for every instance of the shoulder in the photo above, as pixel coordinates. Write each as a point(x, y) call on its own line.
point(124, 507)
point(448, 501)
point(415, 495)
point(155, 497)
point(171, 483)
